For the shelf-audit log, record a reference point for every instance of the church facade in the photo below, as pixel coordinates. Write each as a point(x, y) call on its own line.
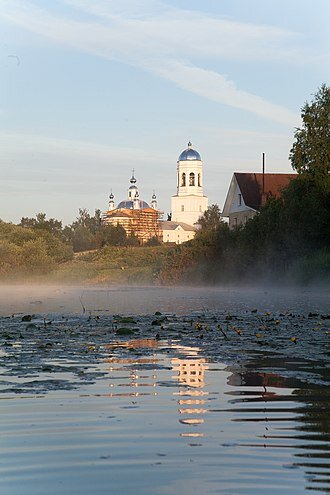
point(189, 203)
point(134, 214)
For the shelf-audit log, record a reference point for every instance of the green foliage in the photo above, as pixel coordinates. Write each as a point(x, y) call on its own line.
point(113, 265)
point(110, 235)
point(83, 232)
point(310, 152)
point(35, 258)
point(40, 222)
point(211, 218)
point(132, 240)
point(288, 240)
point(9, 257)
point(153, 241)
point(312, 268)
point(25, 251)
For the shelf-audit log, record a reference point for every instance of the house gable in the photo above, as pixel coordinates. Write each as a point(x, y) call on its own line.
point(248, 192)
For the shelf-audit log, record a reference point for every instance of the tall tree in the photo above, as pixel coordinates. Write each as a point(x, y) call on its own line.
point(310, 152)
point(40, 222)
point(211, 218)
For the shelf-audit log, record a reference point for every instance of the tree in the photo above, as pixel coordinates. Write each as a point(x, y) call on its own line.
point(211, 218)
point(153, 241)
point(92, 223)
point(40, 222)
point(310, 152)
point(111, 235)
point(83, 232)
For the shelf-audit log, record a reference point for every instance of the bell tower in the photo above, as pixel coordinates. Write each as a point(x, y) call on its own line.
point(189, 203)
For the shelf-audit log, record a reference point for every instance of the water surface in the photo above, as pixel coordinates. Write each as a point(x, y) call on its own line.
point(220, 393)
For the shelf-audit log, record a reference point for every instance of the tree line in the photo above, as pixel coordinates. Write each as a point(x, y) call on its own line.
point(38, 245)
point(289, 240)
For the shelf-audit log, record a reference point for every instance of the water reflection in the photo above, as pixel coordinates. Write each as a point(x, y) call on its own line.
point(292, 416)
point(135, 372)
point(129, 369)
point(145, 402)
point(190, 372)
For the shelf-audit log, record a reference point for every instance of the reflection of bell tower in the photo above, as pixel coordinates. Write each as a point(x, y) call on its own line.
point(189, 203)
point(191, 372)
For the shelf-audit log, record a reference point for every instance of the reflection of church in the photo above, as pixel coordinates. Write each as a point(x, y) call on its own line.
point(189, 203)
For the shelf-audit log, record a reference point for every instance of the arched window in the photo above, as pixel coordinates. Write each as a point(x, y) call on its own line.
point(191, 179)
point(199, 180)
point(183, 181)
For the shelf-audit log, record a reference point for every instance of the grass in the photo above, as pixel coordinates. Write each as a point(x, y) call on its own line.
point(110, 265)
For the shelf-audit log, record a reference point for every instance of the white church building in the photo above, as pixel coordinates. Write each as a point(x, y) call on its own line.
point(189, 203)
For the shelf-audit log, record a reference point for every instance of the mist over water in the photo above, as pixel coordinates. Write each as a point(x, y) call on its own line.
point(157, 390)
point(147, 300)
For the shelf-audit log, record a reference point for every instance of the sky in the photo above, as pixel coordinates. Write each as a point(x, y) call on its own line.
point(91, 89)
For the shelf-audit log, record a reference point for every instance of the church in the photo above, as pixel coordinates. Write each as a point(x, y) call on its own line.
point(144, 221)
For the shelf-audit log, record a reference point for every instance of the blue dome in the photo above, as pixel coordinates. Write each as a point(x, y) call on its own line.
point(189, 154)
point(129, 204)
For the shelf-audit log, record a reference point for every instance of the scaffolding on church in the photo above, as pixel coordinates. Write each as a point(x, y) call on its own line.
point(144, 223)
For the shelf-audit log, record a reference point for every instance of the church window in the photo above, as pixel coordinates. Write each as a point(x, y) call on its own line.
point(239, 200)
point(199, 180)
point(191, 179)
point(183, 181)
point(182, 207)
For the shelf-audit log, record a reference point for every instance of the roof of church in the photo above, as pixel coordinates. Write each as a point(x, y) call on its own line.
point(170, 225)
point(189, 154)
point(129, 204)
point(251, 186)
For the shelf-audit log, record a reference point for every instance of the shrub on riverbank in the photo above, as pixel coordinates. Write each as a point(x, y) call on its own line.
point(25, 251)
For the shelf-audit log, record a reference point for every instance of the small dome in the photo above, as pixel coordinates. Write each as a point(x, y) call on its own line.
point(111, 196)
point(129, 205)
point(189, 154)
point(133, 179)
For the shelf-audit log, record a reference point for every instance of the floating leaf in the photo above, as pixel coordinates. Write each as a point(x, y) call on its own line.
point(125, 331)
point(127, 319)
point(27, 318)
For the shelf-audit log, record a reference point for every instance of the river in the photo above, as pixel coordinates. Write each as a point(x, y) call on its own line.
point(163, 391)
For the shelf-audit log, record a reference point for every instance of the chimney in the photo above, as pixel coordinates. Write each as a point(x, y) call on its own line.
point(263, 174)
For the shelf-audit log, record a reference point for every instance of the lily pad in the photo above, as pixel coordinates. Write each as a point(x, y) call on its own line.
point(125, 331)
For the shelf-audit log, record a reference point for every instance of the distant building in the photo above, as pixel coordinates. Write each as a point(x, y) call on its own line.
point(134, 214)
point(189, 203)
point(248, 192)
point(177, 232)
point(137, 217)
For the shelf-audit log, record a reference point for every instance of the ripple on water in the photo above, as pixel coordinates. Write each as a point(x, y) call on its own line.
point(202, 411)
